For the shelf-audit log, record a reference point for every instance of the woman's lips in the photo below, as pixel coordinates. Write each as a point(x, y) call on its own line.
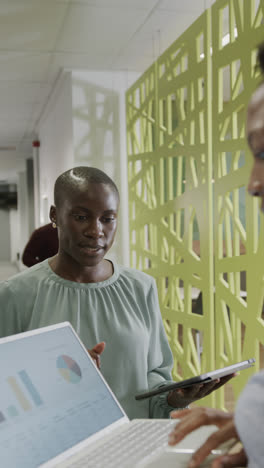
point(90, 248)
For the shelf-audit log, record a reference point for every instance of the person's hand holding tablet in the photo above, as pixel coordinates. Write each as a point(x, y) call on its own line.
point(181, 394)
point(182, 397)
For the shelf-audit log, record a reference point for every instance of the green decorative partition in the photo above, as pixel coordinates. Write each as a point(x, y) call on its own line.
point(169, 139)
point(192, 225)
point(238, 243)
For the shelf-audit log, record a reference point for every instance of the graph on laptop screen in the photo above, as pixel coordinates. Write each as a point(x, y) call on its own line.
point(51, 398)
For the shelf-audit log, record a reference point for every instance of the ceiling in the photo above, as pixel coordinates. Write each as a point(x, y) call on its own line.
point(40, 37)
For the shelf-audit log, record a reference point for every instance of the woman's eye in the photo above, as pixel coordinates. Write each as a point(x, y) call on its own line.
point(80, 217)
point(260, 155)
point(108, 220)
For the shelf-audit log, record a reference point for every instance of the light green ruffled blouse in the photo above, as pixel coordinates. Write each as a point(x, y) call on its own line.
point(123, 311)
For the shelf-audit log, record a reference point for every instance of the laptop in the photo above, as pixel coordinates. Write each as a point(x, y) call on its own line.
point(57, 410)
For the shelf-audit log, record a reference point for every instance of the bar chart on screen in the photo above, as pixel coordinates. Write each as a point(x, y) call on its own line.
point(25, 393)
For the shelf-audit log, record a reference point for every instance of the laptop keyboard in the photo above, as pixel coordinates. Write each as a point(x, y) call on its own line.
point(129, 447)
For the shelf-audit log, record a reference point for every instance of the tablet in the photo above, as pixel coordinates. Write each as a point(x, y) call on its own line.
point(200, 379)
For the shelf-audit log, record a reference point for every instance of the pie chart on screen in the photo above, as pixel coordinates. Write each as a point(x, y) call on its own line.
point(69, 369)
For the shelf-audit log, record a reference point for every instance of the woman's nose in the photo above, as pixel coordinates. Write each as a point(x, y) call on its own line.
point(94, 229)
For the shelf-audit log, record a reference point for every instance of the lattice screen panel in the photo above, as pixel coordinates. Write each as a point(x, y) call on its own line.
point(169, 139)
point(239, 271)
point(187, 149)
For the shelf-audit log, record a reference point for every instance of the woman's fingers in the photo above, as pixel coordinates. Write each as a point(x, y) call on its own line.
point(224, 380)
point(190, 392)
point(95, 353)
point(185, 396)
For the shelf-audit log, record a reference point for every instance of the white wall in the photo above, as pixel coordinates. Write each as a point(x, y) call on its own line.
point(5, 236)
point(22, 208)
point(99, 134)
point(56, 141)
point(18, 219)
point(55, 156)
point(14, 235)
point(12, 164)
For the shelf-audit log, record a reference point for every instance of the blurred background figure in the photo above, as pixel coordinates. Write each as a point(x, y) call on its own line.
point(42, 244)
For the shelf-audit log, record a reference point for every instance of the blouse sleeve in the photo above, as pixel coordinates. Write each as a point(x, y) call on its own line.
point(10, 318)
point(160, 359)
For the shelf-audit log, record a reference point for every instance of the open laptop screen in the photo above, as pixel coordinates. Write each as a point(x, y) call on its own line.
point(52, 398)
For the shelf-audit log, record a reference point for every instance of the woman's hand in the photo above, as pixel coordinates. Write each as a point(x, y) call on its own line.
point(197, 417)
point(180, 398)
point(96, 352)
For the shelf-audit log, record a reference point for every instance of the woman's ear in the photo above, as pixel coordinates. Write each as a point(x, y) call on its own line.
point(53, 216)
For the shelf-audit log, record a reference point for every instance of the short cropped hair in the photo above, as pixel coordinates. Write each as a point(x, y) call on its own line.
point(71, 180)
